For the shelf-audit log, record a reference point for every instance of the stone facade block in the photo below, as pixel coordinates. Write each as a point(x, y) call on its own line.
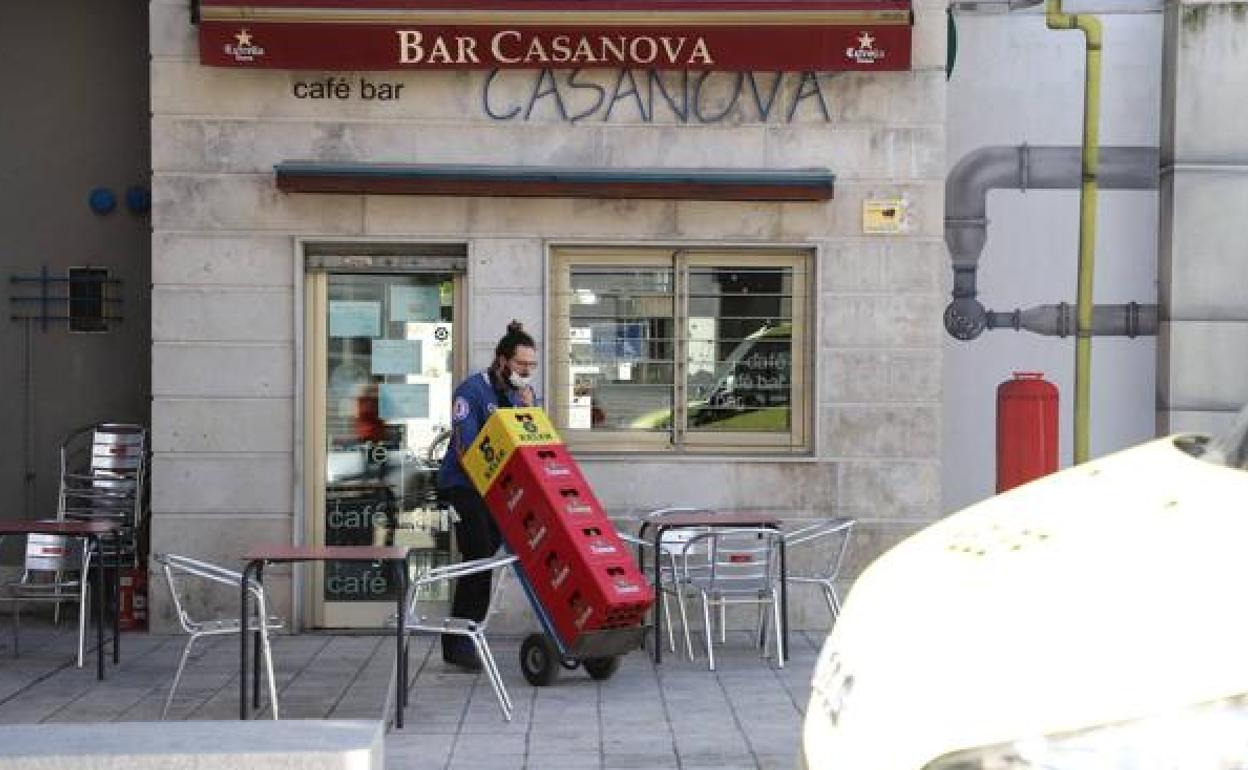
point(237, 202)
point(867, 376)
point(791, 489)
point(573, 218)
point(179, 258)
point(219, 145)
point(881, 320)
point(893, 431)
point(185, 88)
point(1196, 373)
point(677, 147)
point(1207, 58)
point(1204, 275)
point(202, 369)
point(223, 425)
point(507, 264)
point(171, 33)
point(1213, 423)
point(223, 483)
point(494, 310)
point(415, 216)
point(924, 217)
point(891, 488)
point(726, 220)
point(884, 265)
point(244, 315)
point(930, 37)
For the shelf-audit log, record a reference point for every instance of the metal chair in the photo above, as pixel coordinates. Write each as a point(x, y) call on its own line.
point(178, 570)
point(104, 472)
point(52, 572)
point(735, 566)
point(473, 629)
point(838, 531)
point(670, 547)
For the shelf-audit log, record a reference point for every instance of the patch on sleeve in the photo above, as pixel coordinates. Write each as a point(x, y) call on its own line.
point(460, 408)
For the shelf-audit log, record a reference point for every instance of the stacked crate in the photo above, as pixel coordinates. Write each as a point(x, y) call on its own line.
point(582, 573)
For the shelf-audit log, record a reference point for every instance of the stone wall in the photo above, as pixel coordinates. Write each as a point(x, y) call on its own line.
point(1202, 275)
point(226, 331)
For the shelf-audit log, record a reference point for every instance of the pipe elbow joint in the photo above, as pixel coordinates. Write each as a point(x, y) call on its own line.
point(965, 318)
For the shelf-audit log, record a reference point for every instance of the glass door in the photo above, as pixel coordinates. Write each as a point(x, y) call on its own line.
point(380, 377)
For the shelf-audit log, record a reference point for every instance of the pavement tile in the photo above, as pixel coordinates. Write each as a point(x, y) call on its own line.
point(747, 713)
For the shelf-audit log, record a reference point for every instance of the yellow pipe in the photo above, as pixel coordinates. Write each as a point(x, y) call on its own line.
point(1091, 28)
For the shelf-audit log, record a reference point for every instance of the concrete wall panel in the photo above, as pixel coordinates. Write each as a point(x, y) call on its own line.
point(222, 483)
point(881, 320)
point(243, 315)
point(249, 202)
point(1202, 372)
point(868, 376)
point(222, 425)
point(203, 369)
point(220, 260)
point(892, 431)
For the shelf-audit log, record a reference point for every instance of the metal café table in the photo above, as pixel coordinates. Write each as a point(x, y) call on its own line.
point(708, 519)
point(94, 532)
point(261, 555)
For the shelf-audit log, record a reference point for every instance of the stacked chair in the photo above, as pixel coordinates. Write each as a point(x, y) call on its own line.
point(104, 476)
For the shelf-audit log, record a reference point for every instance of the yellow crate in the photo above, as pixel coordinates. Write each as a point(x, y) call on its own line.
point(506, 431)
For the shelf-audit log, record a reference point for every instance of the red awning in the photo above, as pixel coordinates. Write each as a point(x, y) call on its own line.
point(723, 35)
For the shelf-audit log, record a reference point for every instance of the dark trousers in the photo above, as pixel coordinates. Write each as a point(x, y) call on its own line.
point(478, 539)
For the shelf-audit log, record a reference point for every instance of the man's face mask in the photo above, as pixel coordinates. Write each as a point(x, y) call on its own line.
point(520, 367)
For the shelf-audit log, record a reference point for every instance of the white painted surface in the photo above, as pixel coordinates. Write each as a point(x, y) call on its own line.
point(1017, 82)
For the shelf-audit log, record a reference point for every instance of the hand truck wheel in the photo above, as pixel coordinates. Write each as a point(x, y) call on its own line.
point(601, 668)
point(539, 660)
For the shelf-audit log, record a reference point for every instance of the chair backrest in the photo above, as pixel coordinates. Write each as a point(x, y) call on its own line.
point(674, 540)
point(833, 536)
point(118, 447)
point(727, 561)
point(53, 553)
point(447, 572)
point(178, 568)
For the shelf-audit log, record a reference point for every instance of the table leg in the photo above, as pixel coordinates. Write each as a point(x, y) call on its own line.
point(255, 651)
point(784, 598)
point(117, 599)
point(400, 632)
point(97, 547)
point(658, 597)
point(242, 637)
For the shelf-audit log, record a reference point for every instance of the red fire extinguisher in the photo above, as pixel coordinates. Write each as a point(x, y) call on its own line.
point(1026, 429)
point(132, 615)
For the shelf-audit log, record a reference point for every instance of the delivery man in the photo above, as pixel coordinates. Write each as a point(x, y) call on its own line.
point(506, 383)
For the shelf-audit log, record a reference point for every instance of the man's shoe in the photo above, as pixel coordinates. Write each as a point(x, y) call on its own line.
point(458, 651)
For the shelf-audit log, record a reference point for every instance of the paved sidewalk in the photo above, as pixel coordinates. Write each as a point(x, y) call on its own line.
point(747, 714)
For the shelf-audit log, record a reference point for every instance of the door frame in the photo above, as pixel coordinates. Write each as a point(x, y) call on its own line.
point(314, 260)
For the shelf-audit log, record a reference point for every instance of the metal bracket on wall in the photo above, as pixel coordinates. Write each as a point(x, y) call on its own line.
point(85, 298)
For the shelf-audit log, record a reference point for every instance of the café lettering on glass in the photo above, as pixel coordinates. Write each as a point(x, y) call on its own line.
point(694, 35)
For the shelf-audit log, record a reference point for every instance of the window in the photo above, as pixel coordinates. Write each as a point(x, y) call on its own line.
point(692, 349)
point(88, 299)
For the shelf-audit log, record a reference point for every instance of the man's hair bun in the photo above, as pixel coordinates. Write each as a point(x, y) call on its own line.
point(514, 327)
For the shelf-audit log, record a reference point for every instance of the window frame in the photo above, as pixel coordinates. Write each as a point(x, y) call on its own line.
point(680, 439)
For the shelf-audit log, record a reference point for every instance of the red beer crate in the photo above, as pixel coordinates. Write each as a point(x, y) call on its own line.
point(589, 597)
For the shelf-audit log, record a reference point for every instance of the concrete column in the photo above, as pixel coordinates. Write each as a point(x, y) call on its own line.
point(1202, 369)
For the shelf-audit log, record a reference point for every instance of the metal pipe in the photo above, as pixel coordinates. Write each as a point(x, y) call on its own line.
point(1022, 168)
point(1091, 29)
point(1128, 320)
